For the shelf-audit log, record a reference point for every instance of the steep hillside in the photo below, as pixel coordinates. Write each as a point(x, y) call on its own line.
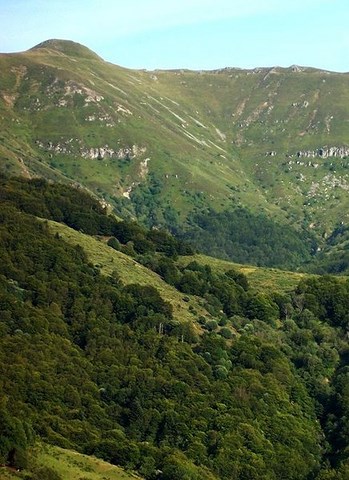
point(129, 270)
point(259, 278)
point(54, 463)
point(108, 361)
point(164, 145)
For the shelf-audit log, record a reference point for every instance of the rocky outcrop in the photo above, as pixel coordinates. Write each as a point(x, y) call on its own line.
point(296, 68)
point(100, 153)
point(61, 147)
point(325, 152)
point(92, 153)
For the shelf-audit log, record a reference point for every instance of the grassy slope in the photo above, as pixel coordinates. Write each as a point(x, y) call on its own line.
point(71, 465)
point(259, 278)
point(132, 272)
point(109, 260)
point(205, 133)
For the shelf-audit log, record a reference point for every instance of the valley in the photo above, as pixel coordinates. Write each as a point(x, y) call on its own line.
point(174, 289)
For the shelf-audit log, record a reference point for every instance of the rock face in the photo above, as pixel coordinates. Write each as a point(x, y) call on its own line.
point(325, 152)
point(107, 152)
point(93, 153)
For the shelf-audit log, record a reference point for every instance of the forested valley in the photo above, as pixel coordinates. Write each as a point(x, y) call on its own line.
point(254, 387)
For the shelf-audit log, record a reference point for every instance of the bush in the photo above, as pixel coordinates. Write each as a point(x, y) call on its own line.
point(226, 332)
point(211, 325)
point(45, 473)
point(114, 243)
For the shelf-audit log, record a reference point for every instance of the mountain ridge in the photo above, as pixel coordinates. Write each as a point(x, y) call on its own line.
point(160, 145)
point(70, 45)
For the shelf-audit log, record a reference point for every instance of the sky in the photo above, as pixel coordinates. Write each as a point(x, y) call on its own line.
point(194, 34)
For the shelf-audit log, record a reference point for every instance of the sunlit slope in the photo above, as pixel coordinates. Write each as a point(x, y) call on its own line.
point(275, 140)
point(47, 460)
point(129, 271)
point(259, 278)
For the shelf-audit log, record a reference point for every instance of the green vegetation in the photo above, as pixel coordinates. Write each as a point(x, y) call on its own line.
point(47, 462)
point(335, 256)
point(243, 237)
point(264, 147)
point(252, 386)
point(117, 341)
point(108, 260)
point(259, 278)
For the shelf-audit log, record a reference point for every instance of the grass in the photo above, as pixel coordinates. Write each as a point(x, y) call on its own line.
point(75, 466)
point(259, 278)
point(129, 271)
point(175, 115)
point(6, 474)
point(70, 465)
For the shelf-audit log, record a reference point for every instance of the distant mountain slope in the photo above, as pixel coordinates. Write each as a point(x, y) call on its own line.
point(67, 47)
point(160, 145)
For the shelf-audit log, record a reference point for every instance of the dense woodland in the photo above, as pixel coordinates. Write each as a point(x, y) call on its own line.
point(246, 237)
point(237, 234)
point(257, 389)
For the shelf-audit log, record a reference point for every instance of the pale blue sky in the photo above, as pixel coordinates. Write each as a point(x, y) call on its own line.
point(196, 34)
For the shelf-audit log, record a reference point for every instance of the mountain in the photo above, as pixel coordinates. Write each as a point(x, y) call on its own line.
point(122, 343)
point(167, 147)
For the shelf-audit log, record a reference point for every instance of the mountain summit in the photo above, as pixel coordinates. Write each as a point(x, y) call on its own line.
point(68, 47)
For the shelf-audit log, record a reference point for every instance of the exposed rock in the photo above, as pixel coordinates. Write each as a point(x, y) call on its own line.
point(93, 97)
point(122, 109)
point(62, 102)
point(305, 104)
point(328, 121)
point(98, 153)
point(144, 167)
point(9, 99)
point(106, 152)
point(105, 118)
point(92, 153)
point(296, 68)
point(55, 147)
point(126, 193)
point(325, 152)
point(327, 184)
point(334, 152)
point(70, 89)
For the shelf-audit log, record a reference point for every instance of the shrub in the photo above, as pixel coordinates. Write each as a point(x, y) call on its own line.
point(226, 332)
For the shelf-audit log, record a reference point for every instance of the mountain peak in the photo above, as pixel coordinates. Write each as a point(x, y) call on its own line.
point(68, 47)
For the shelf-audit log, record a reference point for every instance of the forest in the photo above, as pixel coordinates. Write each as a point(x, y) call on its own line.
point(247, 237)
point(255, 389)
point(238, 234)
